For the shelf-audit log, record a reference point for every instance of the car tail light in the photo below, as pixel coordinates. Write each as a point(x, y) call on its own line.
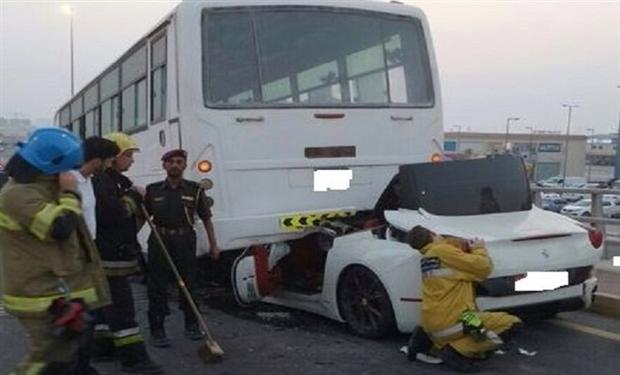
point(596, 237)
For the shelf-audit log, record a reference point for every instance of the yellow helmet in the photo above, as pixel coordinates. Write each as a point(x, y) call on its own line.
point(123, 141)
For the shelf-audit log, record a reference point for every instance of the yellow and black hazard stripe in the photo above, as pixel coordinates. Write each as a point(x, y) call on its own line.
point(299, 222)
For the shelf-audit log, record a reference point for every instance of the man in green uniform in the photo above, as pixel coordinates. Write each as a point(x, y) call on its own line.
point(173, 204)
point(51, 268)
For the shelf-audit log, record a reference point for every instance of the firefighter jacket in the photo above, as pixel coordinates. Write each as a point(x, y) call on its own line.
point(117, 212)
point(449, 274)
point(36, 263)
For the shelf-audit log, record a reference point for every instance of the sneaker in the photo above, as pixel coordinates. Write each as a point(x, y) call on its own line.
point(143, 367)
point(192, 332)
point(418, 343)
point(456, 361)
point(159, 339)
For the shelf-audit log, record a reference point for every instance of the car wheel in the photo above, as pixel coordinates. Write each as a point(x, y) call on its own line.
point(365, 304)
point(585, 214)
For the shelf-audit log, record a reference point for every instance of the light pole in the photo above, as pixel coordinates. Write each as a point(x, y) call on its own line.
point(68, 10)
point(508, 131)
point(458, 138)
point(531, 151)
point(590, 161)
point(617, 167)
point(570, 112)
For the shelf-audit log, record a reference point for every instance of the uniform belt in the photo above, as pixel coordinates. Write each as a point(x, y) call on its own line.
point(175, 231)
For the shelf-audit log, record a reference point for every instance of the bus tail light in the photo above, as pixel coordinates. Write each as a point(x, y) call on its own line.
point(204, 166)
point(436, 158)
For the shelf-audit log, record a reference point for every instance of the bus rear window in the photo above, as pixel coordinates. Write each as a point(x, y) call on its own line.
point(467, 187)
point(313, 56)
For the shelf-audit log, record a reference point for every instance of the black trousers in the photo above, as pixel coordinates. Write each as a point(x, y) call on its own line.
point(121, 317)
point(182, 249)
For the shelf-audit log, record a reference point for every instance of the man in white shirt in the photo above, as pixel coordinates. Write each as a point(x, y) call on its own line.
point(98, 155)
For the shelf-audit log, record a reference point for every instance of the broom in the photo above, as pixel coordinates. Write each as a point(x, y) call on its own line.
point(211, 351)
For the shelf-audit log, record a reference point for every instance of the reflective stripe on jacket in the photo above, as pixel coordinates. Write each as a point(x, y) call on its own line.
point(41, 304)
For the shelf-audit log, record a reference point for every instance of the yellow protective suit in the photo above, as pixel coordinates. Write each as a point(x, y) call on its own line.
point(448, 277)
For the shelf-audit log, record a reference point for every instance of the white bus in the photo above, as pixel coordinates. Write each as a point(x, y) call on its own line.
point(271, 93)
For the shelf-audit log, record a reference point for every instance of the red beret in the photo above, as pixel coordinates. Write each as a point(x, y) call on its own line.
point(173, 153)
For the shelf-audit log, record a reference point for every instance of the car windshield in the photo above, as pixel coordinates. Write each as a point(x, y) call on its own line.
point(466, 187)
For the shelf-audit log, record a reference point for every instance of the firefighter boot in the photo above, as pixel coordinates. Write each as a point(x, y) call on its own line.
point(158, 333)
point(192, 330)
point(455, 361)
point(135, 360)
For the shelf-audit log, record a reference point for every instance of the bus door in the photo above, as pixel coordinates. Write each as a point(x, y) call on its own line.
point(164, 130)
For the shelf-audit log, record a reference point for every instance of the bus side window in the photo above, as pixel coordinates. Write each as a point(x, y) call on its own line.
point(158, 79)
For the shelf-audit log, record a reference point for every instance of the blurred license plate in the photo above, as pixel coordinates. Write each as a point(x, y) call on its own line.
point(538, 281)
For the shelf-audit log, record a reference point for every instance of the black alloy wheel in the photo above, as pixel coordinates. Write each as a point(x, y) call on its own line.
point(365, 304)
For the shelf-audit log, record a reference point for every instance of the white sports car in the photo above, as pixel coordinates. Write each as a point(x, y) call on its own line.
point(358, 270)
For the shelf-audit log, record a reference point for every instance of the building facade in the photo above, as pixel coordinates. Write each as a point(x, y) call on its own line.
point(12, 131)
point(544, 153)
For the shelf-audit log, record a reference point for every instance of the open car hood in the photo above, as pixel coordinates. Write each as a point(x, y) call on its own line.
point(492, 227)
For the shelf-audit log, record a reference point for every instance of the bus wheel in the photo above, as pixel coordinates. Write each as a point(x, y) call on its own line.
point(365, 304)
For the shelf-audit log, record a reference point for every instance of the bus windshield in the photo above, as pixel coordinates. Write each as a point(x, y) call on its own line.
point(313, 57)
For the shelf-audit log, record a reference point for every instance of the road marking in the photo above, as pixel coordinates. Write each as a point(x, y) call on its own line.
point(616, 261)
point(586, 329)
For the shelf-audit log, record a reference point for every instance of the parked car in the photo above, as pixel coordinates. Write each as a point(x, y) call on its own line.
point(372, 281)
point(554, 204)
point(584, 207)
point(560, 181)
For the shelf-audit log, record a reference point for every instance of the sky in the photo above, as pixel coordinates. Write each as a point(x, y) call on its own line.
point(497, 59)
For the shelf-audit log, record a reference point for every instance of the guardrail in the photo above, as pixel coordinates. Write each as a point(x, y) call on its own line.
point(597, 218)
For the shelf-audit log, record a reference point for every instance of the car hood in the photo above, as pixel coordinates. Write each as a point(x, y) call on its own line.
point(492, 227)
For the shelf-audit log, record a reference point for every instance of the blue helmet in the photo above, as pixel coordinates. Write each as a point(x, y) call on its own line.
point(52, 150)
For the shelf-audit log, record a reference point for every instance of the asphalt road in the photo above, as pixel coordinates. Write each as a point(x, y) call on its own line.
point(299, 343)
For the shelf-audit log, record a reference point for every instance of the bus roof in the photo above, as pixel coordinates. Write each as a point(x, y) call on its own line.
point(191, 5)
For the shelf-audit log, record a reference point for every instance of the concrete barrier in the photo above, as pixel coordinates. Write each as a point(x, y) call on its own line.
point(607, 299)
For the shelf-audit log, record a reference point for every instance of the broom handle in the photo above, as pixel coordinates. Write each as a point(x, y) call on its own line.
point(177, 275)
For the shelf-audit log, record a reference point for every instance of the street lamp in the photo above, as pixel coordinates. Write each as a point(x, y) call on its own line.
point(590, 161)
point(570, 112)
point(68, 10)
point(458, 137)
point(617, 167)
point(508, 131)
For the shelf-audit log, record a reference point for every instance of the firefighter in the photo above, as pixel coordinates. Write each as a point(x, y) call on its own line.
point(117, 213)
point(450, 269)
point(52, 271)
point(173, 204)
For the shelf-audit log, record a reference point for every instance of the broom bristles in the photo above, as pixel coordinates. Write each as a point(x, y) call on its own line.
point(211, 351)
